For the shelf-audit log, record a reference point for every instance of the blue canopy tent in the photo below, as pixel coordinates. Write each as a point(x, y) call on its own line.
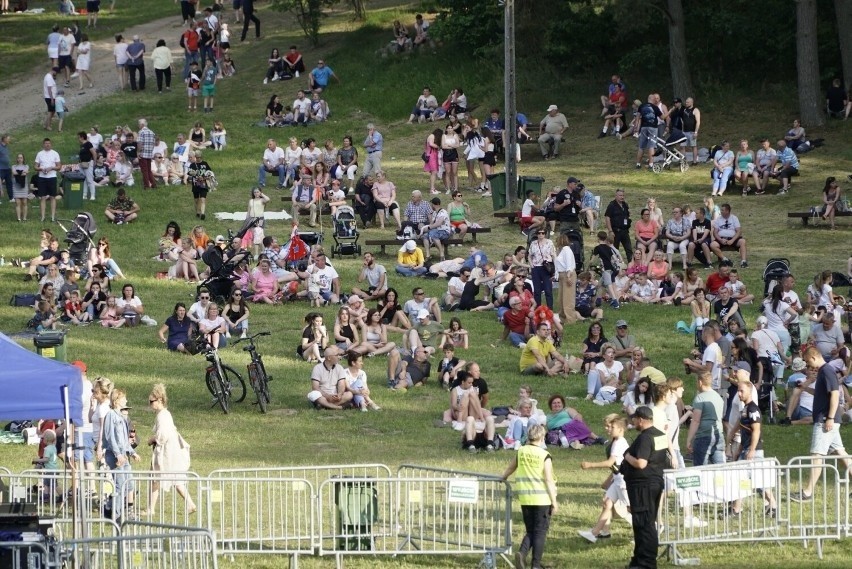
point(35, 387)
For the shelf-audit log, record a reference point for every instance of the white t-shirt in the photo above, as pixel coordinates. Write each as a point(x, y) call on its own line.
point(66, 44)
point(47, 158)
point(210, 325)
point(792, 298)
point(120, 53)
point(292, 157)
point(49, 86)
point(726, 228)
point(713, 354)
point(374, 275)
point(766, 340)
point(527, 208)
point(101, 411)
point(674, 425)
point(96, 139)
point(197, 311)
point(86, 427)
point(134, 302)
point(324, 277)
point(311, 157)
point(644, 291)
point(301, 106)
point(274, 157)
point(606, 372)
point(84, 56)
point(455, 284)
point(619, 447)
point(776, 318)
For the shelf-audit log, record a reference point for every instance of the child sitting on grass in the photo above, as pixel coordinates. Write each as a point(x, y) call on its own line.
point(74, 312)
point(44, 317)
point(615, 497)
point(449, 366)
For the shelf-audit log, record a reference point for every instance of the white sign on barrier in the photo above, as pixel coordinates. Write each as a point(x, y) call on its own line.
point(463, 491)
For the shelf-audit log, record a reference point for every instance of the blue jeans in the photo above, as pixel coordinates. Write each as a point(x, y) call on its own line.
point(188, 58)
point(409, 272)
point(123, 483)
point(542, 284)
point(708, 450)
point(720, 181)
point(593, 383)
point(516, 338)
point(6, 176)
point(280, 170)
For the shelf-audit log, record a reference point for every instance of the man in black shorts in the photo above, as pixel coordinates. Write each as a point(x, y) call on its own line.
point(49, 92)
point(47, 164)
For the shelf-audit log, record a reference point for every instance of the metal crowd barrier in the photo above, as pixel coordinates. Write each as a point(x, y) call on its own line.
point(437, 515)
point(24, 555)
point(316, 475)
point(729, 503)
point(844, 482)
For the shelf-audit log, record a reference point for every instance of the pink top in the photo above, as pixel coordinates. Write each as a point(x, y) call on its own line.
point(264, 284)
point(646, 230)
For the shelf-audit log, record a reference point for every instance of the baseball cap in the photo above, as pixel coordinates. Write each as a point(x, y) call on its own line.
point(678, 100)
point(80, 365)
point(656, 376)
point(621, 324)
point(220, 239)
point(572, 180)
point(798, 364)
point(422, 313)
point(552, 108)
point(409, 246)
point(643, 412)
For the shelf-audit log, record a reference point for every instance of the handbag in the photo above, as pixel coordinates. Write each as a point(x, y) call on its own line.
point(550, 267)
point(425, 157)
point(184, 449)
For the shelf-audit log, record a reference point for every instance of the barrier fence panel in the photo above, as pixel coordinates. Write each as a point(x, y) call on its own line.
point(415, 515)
point(23, 555)
point(316, 475)
point(748, 502)
point(262, 515)
point(840, 464)
point(180, 498)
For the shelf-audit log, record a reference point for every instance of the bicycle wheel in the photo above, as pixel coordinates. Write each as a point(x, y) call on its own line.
point(258, 382)
point(218, 388)
point(235, 383)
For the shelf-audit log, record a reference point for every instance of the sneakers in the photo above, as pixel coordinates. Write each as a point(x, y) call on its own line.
point(638, 166)
point(472, 449)
point(485, 194)
point(599, 402)
point(615, 304)
point(265, 80)
point(520, 562)
point(744, 264)
point(801, 497)
point(489, 448)
point(274, 78)
point(522, 345)
point(243, 335)
point(694, 522)
point(588, 536)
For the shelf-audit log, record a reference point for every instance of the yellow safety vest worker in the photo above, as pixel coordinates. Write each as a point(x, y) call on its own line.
point(530, 486)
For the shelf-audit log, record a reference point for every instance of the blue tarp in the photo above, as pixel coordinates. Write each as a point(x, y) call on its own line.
point(32, 386)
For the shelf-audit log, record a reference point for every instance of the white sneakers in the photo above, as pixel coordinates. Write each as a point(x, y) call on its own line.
point(265, 80)
point(588, 536)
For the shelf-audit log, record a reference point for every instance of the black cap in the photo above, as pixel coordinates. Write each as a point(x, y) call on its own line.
point(572, 180)
point(643, 412)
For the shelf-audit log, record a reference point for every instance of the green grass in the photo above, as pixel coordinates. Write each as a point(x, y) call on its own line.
point(383, 91)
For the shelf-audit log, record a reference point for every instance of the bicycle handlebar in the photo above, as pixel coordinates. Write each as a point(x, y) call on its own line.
point(250, 338)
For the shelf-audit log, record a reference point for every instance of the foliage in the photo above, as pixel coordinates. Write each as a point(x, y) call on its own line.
point(474, 25)
point(308, 13)
point(360, 9)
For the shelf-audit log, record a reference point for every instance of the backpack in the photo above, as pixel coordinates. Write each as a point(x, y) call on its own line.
point(615, 260)
point(406, 232)
point(23, 299)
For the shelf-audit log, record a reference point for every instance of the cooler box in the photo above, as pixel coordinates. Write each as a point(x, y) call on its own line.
point(51, 344)
point(357, 509)
point(498, 190)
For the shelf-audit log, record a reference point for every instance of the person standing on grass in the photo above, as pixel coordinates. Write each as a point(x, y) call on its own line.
point(208, 85)
point(47, 164)
point(642, 469)
point(617, 216)
point(825, 437)
point(136, 63)
point(49, 91)
point(706, 436)
point(535, 485)
point(162, 59)
point(146, 154)
point(6, 164)
point(373, 144)
point(119, 52)
point(248, 13)
point(193, 85)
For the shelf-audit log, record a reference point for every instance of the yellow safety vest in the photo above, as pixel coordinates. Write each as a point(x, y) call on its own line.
point(530, 486)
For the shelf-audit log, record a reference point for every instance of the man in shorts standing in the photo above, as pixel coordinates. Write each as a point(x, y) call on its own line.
point(49, 91)
point(825, 437)
point(47, 164)
point(648, 115)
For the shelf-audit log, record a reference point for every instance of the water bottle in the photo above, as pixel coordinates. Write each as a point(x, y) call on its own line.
point(2, 260)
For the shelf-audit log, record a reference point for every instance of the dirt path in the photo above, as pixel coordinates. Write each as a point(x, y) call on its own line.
point(22, 104)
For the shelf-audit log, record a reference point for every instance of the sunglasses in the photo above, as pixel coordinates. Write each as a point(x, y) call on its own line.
point(238, 294)
point(152, 401)
point(418, 293)
point(204, 297)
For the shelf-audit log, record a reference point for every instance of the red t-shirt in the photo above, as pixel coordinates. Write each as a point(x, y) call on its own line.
point(292, 57)
point(715, 282)
point(619, 100)
point(516, 322)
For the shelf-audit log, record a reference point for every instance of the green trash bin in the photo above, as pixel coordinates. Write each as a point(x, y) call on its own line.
point(498, 190)
point(51, 344)
point(527, 183)
point(72, 192)
point(357, 509)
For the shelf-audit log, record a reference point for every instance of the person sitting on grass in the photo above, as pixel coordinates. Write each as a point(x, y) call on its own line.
point(412, 371)
point(122, 209)
point(111, 315)
point(565, 426)
point(44, 317)
point(328, 382)
point(521, 424)
point(450, 366)
point(74, 312)
point(615, 495)
point(356, 383)
point(540, 357)
point(314, 338)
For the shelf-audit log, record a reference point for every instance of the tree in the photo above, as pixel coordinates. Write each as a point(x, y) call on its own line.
point(360, 9)
point(681, 77)
point(807, 64)
point(308, 13)
point(843, 10)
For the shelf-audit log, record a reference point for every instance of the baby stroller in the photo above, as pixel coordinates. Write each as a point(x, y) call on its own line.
point(575, 237)
point(79, 237)
point(670, 152)
point(775, 269)
point(345, 233)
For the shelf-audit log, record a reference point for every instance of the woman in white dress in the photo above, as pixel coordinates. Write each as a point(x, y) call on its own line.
point(256, 208)
point(170, 453)
point(84, 60)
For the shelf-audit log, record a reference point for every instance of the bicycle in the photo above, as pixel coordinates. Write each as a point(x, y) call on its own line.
point(258, 378)
point(223, 381)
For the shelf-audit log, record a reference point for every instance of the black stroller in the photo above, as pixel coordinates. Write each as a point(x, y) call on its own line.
point(775, 269)
point(79, 237)
point(575, 237)
point(345, 233)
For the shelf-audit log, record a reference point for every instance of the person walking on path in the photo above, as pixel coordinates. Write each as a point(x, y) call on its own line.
point(374, 144)
point(248, 13)
point(136, 63)
point(6, 164)
point(49, 92)
point(535, 486)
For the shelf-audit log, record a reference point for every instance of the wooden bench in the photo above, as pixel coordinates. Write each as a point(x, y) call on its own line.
point(510, 215)
point(806, 216)
point(382, 243)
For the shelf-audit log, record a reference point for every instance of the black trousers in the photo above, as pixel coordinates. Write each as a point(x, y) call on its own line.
point(163, 73)
point(644, 503)
point(536, 522)
point(132, 70)
point(622, 237)
point(250, 16)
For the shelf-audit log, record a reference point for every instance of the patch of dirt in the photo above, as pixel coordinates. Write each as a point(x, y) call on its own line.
point(283, 412)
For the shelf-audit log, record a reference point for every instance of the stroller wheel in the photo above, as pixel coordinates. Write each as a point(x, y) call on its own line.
point(684, 166)
point(657, 168)
point(358, 249)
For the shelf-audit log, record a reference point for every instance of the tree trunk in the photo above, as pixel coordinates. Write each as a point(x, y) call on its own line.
point(681, 79)
point(360, 9)
point(807, 64)
point(843, 11)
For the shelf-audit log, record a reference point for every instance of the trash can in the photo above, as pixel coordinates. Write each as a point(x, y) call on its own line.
point(527, 183)
point(51, 344)
point(498, 190)
point(357, 505)
point(72, 190)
